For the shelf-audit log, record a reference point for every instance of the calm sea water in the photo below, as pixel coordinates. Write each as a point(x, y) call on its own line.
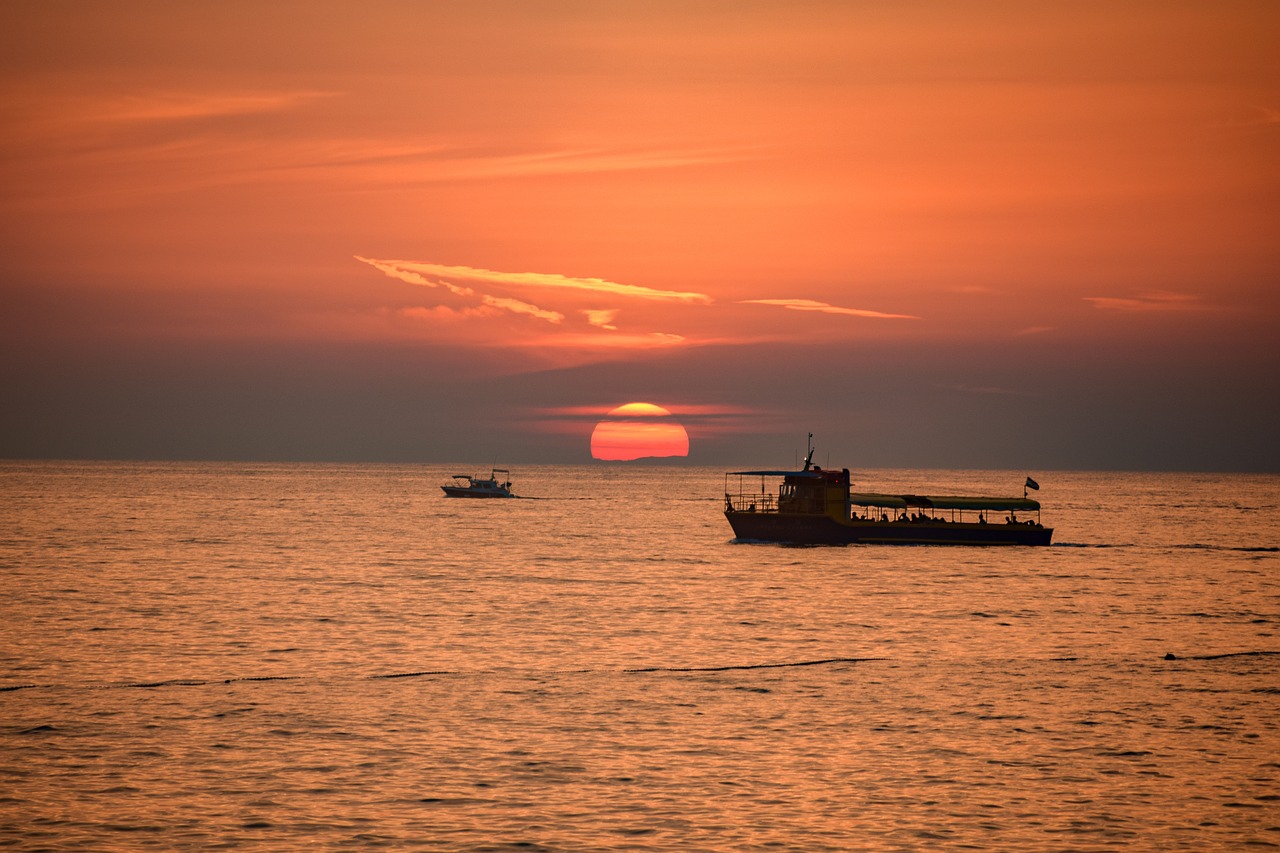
point(337, 657)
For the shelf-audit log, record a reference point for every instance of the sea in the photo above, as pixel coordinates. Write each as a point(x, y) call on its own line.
point(256, 656)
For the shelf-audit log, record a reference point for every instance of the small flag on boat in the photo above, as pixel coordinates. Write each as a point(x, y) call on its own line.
point(1032, 484)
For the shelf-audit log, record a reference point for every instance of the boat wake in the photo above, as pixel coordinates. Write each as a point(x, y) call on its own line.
point(1250, 549)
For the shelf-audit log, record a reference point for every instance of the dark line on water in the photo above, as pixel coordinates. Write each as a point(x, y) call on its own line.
point(388, 676)
point(190, 682)
point(1244, 549)
point(748, 665)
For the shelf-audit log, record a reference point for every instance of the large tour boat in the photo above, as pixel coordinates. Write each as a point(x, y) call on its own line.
point(813, 506)
point(466, 486)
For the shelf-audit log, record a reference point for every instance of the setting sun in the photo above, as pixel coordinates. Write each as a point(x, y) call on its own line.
point(638, 431)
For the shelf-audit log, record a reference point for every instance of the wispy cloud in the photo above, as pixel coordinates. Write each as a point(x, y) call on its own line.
point(573, 161)
point(680, 410)
point(398, 272)
point(1149, 302)
point(201, 134)
point(168, 106)
point(655, 318)
point(824, 308)
point(515, 306)
point(414, 272)
point(638, 341)
point(593, 329)
point(444, 313)
point(502, 303)
point(701, 419)
point(602, 318)
point(441, 161)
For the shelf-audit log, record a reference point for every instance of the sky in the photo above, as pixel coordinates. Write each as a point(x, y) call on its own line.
point(1033, 235)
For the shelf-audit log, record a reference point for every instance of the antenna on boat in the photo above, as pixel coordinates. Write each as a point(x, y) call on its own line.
point(808, 459)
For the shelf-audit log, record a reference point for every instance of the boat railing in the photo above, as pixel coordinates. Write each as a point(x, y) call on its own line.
point(748, 502)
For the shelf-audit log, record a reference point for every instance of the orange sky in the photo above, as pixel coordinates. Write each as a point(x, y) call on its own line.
point(1023, 234)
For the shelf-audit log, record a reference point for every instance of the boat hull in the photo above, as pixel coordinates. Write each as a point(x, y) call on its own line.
point(809, 529)
point(469, 492)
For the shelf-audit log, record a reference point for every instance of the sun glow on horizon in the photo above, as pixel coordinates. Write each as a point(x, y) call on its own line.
point(638, 431)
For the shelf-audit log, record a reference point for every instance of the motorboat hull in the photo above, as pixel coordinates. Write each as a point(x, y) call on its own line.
point(470, 492)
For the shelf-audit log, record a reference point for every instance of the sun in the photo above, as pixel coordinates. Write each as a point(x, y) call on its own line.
point(638, 431)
